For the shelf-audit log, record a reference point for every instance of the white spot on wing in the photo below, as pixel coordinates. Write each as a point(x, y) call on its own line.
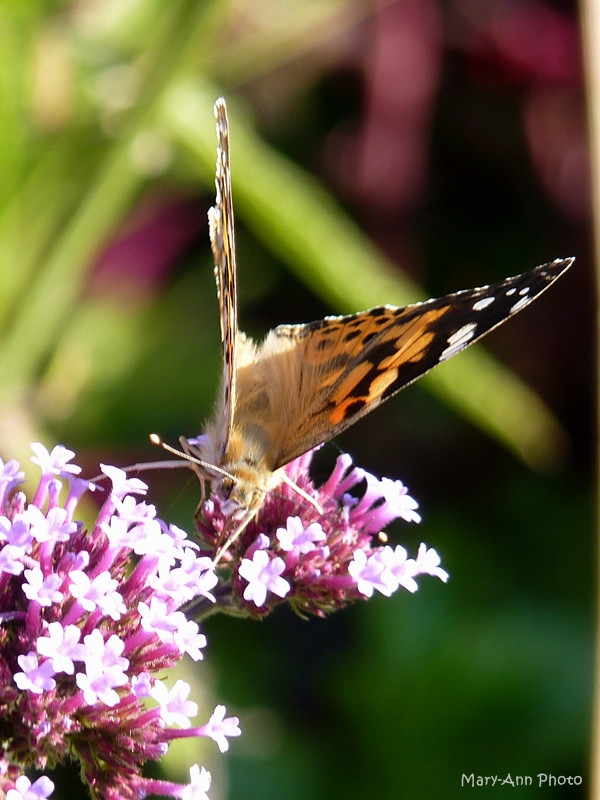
point(520, 304)
point(483, 303)
point(459, 340)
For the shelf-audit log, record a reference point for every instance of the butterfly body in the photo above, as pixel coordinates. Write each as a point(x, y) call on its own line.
point(305, 384)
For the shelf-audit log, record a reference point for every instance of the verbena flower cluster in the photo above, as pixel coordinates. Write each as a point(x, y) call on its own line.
point(92, 619)
point(316, 556)
point(88, 621)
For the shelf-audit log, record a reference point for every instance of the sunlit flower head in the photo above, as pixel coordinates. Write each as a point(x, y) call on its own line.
point(90, 623)
point(318, 556)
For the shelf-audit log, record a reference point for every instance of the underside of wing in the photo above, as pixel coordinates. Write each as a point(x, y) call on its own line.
point(341, 368)
point(220, 218)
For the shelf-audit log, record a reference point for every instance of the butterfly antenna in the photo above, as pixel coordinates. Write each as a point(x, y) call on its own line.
point(144, 466)
point(186, 458)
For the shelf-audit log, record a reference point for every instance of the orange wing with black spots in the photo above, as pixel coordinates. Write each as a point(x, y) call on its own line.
point(349, 365)
point(306, 383)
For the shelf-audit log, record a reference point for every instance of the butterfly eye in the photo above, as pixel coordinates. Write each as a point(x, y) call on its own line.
point(235, 495)
point(224, 488)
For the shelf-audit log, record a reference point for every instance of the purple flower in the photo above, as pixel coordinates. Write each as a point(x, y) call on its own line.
point(24, 789)
point(175, 708)
point(122, 485)
point(40, 588)
point(91, 619)
point(198, 786)
point(428, 562)
point(263, 575)
point(99, 591)
point(318, 555)
point(297, 537)
point(56, 462)
point(61, 647)
point(220, 728)
point(35, 677)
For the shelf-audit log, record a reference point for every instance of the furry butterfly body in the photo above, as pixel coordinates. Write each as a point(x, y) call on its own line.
point(306, 383)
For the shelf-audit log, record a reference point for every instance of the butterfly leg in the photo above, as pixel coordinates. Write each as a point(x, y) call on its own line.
point(289, 482)
point(246, 520)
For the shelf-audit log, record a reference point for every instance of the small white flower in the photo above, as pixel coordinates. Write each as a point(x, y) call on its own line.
point(263, 574)
point(175, 708)
point(54, 463)
point(26, 790)
point(198, 786)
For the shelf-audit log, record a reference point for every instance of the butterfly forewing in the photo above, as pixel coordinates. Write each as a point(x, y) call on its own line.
point(350, 365)
point(223, 246)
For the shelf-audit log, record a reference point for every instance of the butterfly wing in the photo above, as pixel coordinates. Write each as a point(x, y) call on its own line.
point(307, 383)
point(222, 240)
point(310, 382)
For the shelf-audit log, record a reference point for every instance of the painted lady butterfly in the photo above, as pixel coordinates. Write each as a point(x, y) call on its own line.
point(306, 383)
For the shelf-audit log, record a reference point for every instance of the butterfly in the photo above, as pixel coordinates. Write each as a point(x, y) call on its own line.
point(307, 383)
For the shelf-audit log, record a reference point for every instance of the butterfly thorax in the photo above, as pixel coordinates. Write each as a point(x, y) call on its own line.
point(248, 476)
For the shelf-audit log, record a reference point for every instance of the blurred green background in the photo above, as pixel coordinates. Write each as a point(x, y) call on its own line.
point(382, 152)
